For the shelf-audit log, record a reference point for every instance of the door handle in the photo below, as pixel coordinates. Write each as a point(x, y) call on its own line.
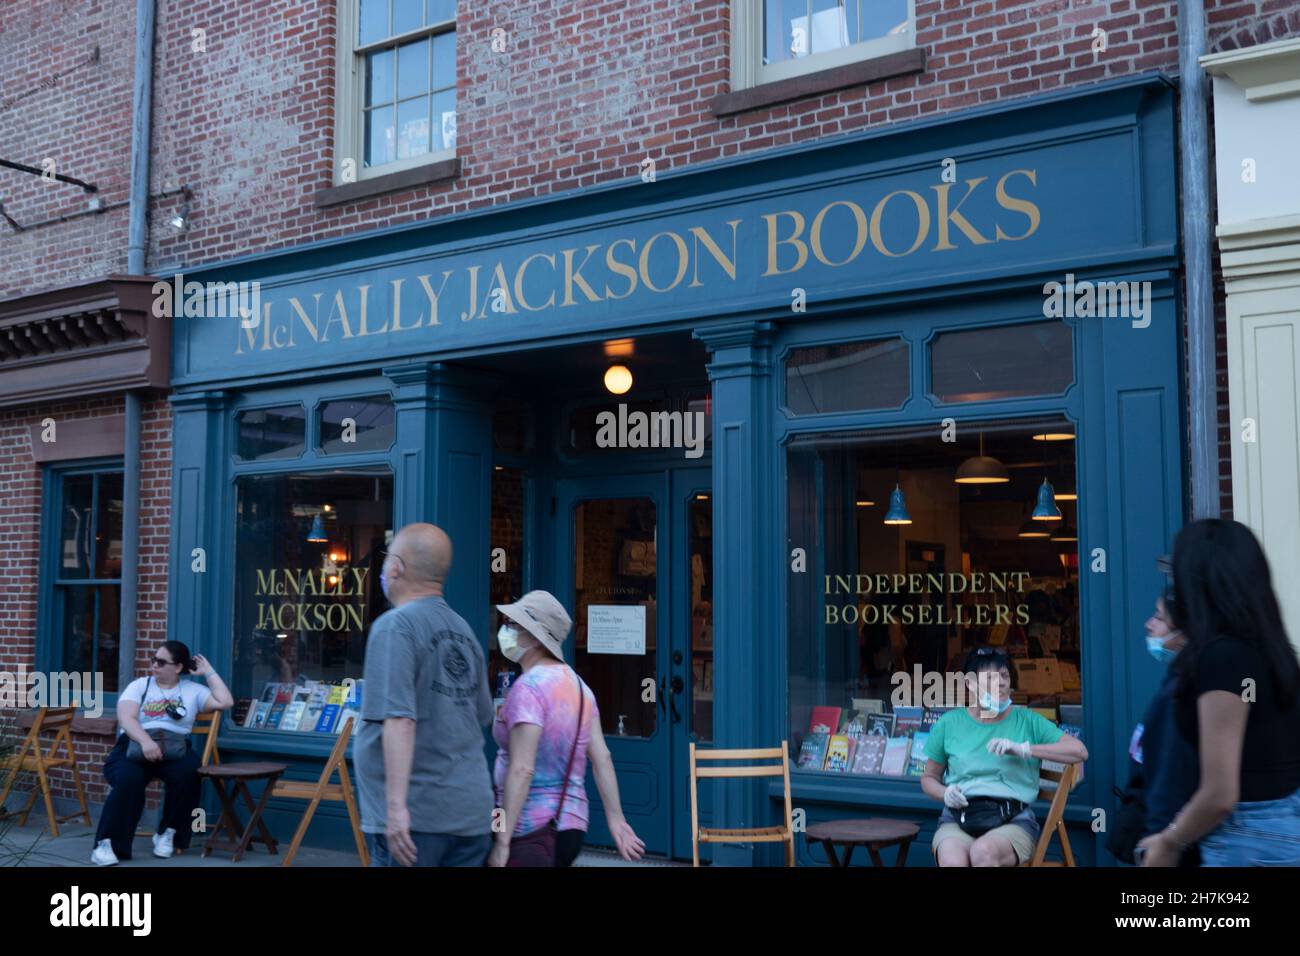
point(663, 689)
point(674, 689)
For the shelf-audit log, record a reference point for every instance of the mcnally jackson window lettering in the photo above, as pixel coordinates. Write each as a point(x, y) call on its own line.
point(862, 222)
point(918, 550)
point(307, 557)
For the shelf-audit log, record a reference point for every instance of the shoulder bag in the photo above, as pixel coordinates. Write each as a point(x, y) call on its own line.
point(173, 745)
point(537, 849)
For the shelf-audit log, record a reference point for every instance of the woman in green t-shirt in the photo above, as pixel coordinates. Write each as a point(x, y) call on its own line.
point(991, 754)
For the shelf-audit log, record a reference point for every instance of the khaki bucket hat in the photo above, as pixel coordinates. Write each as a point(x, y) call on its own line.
point(542, 616)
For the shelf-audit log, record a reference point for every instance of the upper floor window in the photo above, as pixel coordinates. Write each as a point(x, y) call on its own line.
point(397, 86)
point(779, 39)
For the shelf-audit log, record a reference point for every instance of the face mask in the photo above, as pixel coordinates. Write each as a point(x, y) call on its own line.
point(508, 641)
point(989, 702)
point(1156, 647)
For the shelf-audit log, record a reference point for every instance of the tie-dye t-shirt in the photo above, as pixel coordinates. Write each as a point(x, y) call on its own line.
point(547, 695)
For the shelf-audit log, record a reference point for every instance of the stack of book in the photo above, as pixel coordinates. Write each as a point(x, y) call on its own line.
point(307, 706)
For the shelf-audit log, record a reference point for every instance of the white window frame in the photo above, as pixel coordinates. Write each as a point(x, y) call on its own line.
point(349, 100)
point(748, 69)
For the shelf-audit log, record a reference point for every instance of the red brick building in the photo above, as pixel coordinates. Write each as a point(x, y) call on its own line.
point(257, 145)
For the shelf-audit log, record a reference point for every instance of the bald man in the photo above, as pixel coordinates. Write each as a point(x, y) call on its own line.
point(426, 797)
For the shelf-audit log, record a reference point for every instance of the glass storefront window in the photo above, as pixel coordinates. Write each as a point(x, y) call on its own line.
point(882, 619)
point(1008, 361)
point(848, 376)
point(616, 579)
point(308, 550)
point(267, 433)
point(699, 531)
point(357, 424)
point(506, 582)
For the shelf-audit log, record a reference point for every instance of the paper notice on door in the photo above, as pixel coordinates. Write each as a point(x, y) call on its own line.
point(615, 629)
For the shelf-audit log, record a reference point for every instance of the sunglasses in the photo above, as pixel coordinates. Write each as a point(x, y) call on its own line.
point(159, 662)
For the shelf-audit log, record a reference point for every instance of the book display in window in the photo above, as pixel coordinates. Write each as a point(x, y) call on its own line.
point(916, 757)
point(812, 754)
point(870, 754)
point(896, 754)
point(839, 754)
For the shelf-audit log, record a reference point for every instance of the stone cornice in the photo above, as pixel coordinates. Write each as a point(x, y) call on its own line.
point(1269, 71)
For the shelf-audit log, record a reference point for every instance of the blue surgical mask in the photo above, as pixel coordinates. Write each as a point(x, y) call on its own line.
point(383, 583)
point(1156, 648)
point(991, 703)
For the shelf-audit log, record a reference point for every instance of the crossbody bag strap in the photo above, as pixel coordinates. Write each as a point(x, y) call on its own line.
point(573, 752)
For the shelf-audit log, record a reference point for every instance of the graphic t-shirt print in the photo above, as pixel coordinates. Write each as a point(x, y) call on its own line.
point(155, 707)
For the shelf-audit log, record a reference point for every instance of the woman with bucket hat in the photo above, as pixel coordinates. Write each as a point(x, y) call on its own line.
point(548, 728)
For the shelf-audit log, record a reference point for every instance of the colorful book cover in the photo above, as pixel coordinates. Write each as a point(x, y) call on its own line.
point(916, 759)
point(284, 693)
point(896, 751)
point(907, 720)
point(260, 713)
point(870, 754)
point(338, 695)
point(276, 715)
point(344, 716)
point(932, 715)
point(293, 715)
point(839, 753)
point(828, 717)
point(269, 691)
point(311, 716)
point(328, 716)
point(812, 753)
point(881, 725)
point(1074, 731)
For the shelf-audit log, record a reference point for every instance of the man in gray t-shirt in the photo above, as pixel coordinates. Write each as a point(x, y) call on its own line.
point(422, 777)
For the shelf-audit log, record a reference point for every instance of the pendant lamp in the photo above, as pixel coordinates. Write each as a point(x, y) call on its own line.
point(981, 470)
point(1046, 509)
point(317, 533)
point(897, 513)
point(1032, 529)
point(1065, 533)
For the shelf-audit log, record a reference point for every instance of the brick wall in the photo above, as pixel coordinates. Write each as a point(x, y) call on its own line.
point(21, 507)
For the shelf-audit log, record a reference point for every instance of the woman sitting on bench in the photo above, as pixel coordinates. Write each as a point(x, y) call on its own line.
point(991, 753)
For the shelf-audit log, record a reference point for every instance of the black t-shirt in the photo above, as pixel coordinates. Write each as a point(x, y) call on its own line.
point(1270, 757)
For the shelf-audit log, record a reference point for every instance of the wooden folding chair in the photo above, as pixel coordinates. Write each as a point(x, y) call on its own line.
point(1055, 822)
point(783, 833)
point(205, 725)
point(49, 720)
point(323, 789)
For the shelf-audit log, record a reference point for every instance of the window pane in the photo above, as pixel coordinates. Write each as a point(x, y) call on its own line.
point(74, 549)
point(279, 432)
point(357, 424)
point(615, 570)
point(830, 25)
point(78, 628)
point(108, 526)
point(781, 19)
point(303, 608)
point(699, 527)
point(412, 69)
point(881, 626)
point(1004, 362)
point(407, 15)
point(413, 128)
point(110, 601)
point(444, 61)
point(381, 145)
point(441, 10)
point(847, 377)
point(379, 77)
point(374, 20)
point(505, 585)
point(882, 18)
point(444, 119)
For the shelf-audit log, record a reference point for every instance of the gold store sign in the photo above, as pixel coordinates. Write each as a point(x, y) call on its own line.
point(890, 607)
point(314, 611)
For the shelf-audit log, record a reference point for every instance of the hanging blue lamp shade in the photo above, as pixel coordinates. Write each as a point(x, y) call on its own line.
point(897, 513)
point(1046, 509)
point(317, 532)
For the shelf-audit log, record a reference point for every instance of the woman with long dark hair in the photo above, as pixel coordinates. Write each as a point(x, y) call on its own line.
point(1238, 699)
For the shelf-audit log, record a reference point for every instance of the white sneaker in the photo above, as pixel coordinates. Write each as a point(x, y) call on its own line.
point(103, 854)
point(162, 843)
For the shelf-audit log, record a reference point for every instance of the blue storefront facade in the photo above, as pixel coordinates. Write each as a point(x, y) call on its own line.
point(851, 317)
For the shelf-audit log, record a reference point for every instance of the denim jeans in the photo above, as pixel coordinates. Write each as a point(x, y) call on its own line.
point(434, 849)
point(1266, 833)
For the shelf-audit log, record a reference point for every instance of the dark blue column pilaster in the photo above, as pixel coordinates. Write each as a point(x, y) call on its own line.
point(748, 686)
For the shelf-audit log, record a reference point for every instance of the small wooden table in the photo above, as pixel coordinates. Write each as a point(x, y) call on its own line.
point(238, 776)
point(875, 834)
